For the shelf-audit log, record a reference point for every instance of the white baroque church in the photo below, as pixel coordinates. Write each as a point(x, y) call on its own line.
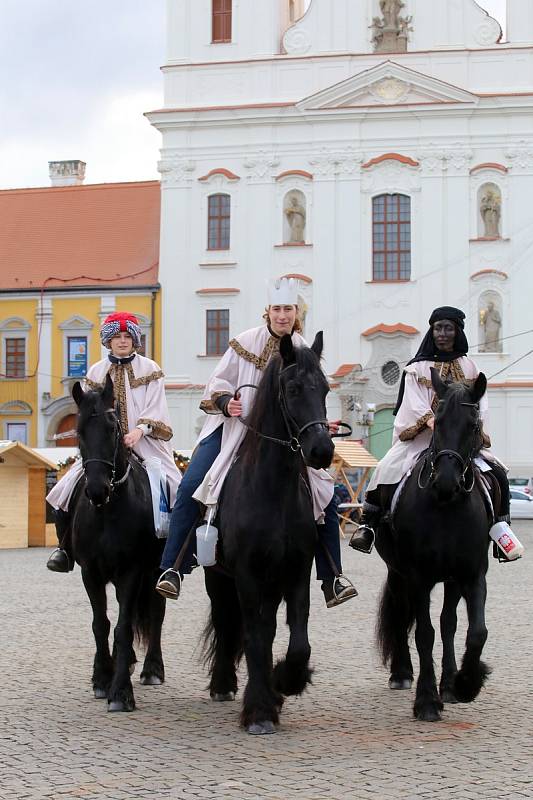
point(380, 151)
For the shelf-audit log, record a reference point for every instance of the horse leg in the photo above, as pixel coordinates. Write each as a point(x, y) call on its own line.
point(103, 663)
point(448, 627)
point(292, 674)
point(474, 672)
point(153, 671)
point(120, 696)
point(395, 619)
point(223, 635)
point(428, 705)
point(260, 711)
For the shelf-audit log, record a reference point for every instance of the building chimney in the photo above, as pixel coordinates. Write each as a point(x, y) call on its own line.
point(66, 173)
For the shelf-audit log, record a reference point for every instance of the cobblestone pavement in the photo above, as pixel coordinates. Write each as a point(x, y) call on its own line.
point(349, 736)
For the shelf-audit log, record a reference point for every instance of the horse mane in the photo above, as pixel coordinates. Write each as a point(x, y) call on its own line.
point(456, 394)
point(265, 405)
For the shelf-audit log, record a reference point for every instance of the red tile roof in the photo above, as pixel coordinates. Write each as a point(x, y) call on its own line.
point(103, 232)
point(345, 369)
point(398, 328)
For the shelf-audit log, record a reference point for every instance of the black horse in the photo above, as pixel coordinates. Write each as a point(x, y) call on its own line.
point(439, 534)
point(114, 542)
point(268, 536)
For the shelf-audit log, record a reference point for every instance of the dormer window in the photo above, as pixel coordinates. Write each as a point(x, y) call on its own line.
point(221, 21)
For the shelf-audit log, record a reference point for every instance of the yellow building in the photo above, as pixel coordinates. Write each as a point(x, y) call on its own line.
point(69, 256)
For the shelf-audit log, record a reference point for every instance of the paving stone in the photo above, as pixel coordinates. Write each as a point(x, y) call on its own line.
point(348, 736)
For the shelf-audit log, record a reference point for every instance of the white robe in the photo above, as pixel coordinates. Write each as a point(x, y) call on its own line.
point(411, 434)
point(140, 390)
point(244, 362)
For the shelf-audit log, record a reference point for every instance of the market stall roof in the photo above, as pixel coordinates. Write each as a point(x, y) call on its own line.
point(24, 455)
point(353, 454)
point(56, 454)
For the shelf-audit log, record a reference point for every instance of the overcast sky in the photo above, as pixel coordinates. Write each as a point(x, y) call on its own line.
point(75, 79)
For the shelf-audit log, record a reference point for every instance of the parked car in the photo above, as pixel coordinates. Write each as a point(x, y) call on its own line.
point(521, 505)
point(522, 484)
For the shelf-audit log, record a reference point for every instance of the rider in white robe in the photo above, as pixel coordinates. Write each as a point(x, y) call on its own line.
point(219, 441)
point(415, 416)
point(237, 367)
point(139, 389)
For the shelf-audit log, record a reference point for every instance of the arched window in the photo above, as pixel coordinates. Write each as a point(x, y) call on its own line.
point(391, 237)
point(221, 21)
point(218, 222)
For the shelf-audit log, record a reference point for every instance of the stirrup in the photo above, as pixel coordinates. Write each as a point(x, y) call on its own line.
point(367, 547)
point(161, 578)
point(70, 561)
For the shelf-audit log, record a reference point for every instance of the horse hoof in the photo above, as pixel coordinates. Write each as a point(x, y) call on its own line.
point(100, 694)
point(223, 697)
point(428, 715)
point(119, 705)
point(447, 696)
point(400, 683)
point(151, 680)
point(261, 728)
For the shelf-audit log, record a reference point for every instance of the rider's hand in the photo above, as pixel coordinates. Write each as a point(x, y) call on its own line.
point(234, 407)
point(334, 426)
point(431, 423)
point(131, 438)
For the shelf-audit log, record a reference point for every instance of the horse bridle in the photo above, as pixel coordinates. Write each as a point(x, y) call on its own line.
point(118, 433)
point(294, 431)
point(465, 463)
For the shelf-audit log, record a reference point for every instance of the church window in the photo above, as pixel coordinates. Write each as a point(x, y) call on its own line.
point(218, 224)
point(391, 237)
point(221, 21)
point(217, 331)
point(390, 373)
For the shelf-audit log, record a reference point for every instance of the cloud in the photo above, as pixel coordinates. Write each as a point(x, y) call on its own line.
point(71, 66)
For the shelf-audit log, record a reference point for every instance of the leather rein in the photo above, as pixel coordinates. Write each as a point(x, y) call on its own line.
point(465, 463)
point(293, 430)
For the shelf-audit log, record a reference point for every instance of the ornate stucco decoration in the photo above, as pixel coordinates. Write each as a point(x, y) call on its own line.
point(390, 90)
point(296, 41)
point(176, 171)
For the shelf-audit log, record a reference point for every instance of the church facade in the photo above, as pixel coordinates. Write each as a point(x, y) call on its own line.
point(379, 151)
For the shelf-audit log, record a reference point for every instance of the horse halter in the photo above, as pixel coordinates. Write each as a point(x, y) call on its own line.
point(294, 431)
point(465, 463)
point(113, 483)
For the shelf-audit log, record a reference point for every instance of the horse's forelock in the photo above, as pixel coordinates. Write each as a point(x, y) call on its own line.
point(92, 403)
point(306, 362)
point(457, 394)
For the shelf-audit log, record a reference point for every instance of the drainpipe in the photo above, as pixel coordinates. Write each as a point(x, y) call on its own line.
point(152, 315)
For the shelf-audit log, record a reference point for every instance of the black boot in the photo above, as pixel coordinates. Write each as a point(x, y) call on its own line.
point(62, 559)
point(169, 584)
point(364, 537)
point(338, 590)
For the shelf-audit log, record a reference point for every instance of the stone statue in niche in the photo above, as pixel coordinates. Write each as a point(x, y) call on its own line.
point(296, 216)
point(490, 210)
point(490, 320)
point(390, 34)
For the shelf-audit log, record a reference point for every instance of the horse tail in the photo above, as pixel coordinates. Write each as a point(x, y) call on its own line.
point(396, 617)
point(222, 643)
point(144, 618)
